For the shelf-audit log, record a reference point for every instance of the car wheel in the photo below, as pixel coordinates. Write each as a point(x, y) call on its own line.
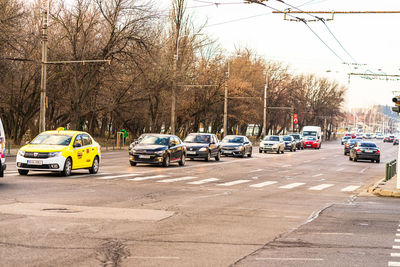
point(283, 151)
point(350, 158)
point(95, 166)
point(208, 157)
point(182, 161)
point(372, 160)
point(1, 171)
point(23, 172)
point(294, 150)
point(218, 157)
point(355, 159)
point(277, 152)
point(243, 154)
point(67, 167)
point(166, 161)
point(132, 163)
point(251, 152)
point(260, 151)
point(378, 160)
point(345, 153)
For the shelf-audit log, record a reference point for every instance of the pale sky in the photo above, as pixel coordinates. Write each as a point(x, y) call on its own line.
point(371, 39)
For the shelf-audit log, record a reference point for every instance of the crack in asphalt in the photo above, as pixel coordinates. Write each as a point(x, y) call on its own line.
point(42, 247)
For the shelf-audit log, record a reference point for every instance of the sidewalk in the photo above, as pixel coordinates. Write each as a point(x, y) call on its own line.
point(385, 189)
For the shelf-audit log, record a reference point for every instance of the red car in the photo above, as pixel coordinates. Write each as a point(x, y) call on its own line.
point(312, 142)
point(352, 135)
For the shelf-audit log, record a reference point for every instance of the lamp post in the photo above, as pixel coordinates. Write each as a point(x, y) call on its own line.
point(42, 116)
point(264, 129)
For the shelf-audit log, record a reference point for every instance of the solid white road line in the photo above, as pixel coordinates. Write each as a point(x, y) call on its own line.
point(209, 180)
point(290, 186)
point(86, 175)
point(177, 179)
point(118, 176)
point(317, 175)
point(234, 182)
point(258, 170)
point(320, 187)
point(393, 263)
point(396, 247)
point(290, 259)
point(147, 178)
point(395, 254)
point(263, 184)
point(350, 188)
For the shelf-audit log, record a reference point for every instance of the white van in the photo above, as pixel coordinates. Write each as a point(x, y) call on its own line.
point(312, 131)
point(2, 150)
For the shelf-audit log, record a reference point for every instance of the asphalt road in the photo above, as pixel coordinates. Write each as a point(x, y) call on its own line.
point(304, 208)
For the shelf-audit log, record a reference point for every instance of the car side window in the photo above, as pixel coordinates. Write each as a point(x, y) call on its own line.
point(177, 140)
point(87, 141)
point(78, 141)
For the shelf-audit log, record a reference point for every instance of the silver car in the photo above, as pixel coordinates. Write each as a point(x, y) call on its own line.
point(2, 150)
point(272, 143)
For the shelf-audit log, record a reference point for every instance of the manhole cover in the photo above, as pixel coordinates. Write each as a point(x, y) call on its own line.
point(60, 210)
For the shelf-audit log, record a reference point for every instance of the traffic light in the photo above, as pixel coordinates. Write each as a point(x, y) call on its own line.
point(396, 101)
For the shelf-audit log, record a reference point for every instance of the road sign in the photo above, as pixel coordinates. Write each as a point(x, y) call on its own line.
point(295, 118)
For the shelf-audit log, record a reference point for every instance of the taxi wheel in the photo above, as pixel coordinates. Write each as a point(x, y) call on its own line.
point(166, 161)
point(23, 172)
point(67, 167)
point(95, 167)
point(218, 157)
point(183, 160)
point(132, 163)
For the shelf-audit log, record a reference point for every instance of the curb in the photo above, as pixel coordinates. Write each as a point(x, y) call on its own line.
point(374, 189)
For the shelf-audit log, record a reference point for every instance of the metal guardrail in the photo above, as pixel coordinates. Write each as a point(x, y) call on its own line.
point(390, 169)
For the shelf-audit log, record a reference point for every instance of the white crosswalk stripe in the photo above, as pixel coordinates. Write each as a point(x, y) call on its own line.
point(209, 180)
point(350, 188)
point(290, 186)
point(263, 184)
point(321, 187)
point(178, 179)
point(118, 176)
point(234, 182)
point(144, 178)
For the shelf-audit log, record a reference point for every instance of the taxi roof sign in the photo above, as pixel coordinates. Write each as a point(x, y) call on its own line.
point(60, 129)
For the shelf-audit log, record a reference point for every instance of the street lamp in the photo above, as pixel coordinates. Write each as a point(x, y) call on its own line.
point(173, 95)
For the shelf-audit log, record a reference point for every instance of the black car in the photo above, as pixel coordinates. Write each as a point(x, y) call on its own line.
point(299, 141)
point(202, 146)
point(396, 141)
point(350, 144)
point(290, 143)
point(160, 149)
point(236, 145)
point(365, 150)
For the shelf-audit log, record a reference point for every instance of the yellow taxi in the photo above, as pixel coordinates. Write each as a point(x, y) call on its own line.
point(59, 151)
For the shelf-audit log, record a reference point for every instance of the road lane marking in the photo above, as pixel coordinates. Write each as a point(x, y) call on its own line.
point(290, 259)
point(339, 170)
point(396, 247)
point(335, 233)
point(286, 166)
point(263, 184)
point(290, 186)
point(395, 254)
point(86, 175)
point(209, 180)
point(234, 182)
point(157, 257)
point(317, 175)
point(397, 234)
point(306, 161)
point(398, 230)
point(350, 188)
point(397, 240)
point(172, 180)
point(118, 176)
point(363, 170)
point(393, 263)
point(258, 170)
point(320, 187)
point(147, 178)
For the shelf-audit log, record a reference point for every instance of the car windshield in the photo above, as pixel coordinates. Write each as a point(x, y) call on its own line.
point(353, 141)
point(347, 137)
point(155, 140)
point(296, 136)
point(233, 139)
point(197, 138)
point(287, 138)
point(368, 145)
point(52, 139)
point(271, 138)
point(310, 138)
point(313, 133)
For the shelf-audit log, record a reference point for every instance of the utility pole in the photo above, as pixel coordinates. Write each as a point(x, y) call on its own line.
point(226, 102)
point(42, 116)
point(264, 129)
point(173, 95)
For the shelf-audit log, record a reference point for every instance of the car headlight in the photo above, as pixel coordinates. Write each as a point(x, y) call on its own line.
point(159, 153)
point(241, 147)
point(55, 154)
point(203, 149)
point(21, 153)
point(131, 146)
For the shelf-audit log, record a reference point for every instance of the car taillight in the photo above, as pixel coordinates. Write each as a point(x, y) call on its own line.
point(358, 150)
point(347, 145)
point(378, 152)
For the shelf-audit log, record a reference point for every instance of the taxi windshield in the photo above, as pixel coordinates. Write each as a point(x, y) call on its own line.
point(155, 140)
point(52, 139)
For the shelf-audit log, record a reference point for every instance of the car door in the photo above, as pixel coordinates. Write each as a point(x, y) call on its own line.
point(78, 151)
point(173, 148)
point(213, 145)
point(248, 145)
point(88, 151)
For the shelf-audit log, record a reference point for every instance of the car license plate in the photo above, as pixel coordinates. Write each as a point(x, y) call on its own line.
point(227, 152)
point(191, 152)
point(35, 162)
point(369, 151)
point(144, 156)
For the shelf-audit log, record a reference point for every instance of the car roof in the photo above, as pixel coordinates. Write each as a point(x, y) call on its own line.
point(235, 136)
point(200, 134)
point(161, 135)
point(65, 132)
